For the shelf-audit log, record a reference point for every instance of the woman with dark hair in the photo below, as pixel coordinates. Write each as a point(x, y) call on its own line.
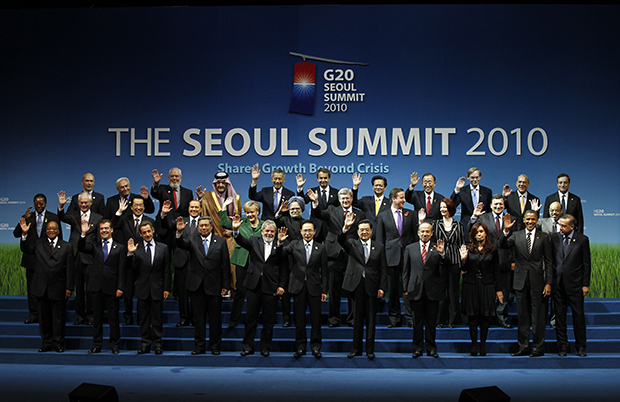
point(451, 232)
point(480, 284)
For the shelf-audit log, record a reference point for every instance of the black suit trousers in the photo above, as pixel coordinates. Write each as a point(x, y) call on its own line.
point(301, 300)
point(366, 313)
point(561, 301)
point(424, 323)
point(203, 304)
point(110, 303)
point(337, 268)
point(181, 292)
point(449, 309)
point(33, 313)
point(531, 312)
point(395, 287)
point(150, 312)
point(82, 303)
point(130, 278)
point(52, 320)
point(258, 300)
point(239, 298)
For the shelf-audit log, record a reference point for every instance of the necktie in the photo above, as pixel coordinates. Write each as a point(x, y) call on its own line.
point(84, 219)
point(275, 201)
point(399, 221)
point(474, 196)
point(174, 194)
point(324, 198)
point(137, 227)
point(39, 224)
point(522, 203)
point(307, 252)
point(192, 226)
point(267, 250)
point(423, 253)
point(105, 250)
point(51, 245)
point(528, 240)
point(205, 244)
point(566, 243)
point(498, 226)
point(366, 252)
point(555, 226)
point(377, 206)
point(428, 205)
point(564, 203)
point(149, 255)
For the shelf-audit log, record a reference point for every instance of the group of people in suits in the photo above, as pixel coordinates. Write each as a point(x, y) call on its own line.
point(365, 246)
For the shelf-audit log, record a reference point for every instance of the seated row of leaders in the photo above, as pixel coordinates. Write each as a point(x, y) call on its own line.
point(364, 247)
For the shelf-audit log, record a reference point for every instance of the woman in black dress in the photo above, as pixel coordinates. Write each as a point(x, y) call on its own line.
point(480, 284)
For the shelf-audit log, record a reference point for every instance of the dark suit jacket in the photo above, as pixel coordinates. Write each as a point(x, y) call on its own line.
point(125, 228)
point(164, 193)
point(265, 197)
point(111, 206)
point(505, 256)
point(513, 207)
point(53, 273)
point(212, 268)
point(74, 219)
point(332, 199)
point(539, 263)
point(367, 205)
point(467, 205)
point(488, 266)
point(315, 270)
point(573, 268)
point(418, 200)
point(98, 205)
point(28, 260)
point(334, 219)
point(270, 270)
point(428, 276)
point(180, 257)
point(386, 233)
point(109, 275)
point(151, 281)
point(573, 207)
point(375, 269)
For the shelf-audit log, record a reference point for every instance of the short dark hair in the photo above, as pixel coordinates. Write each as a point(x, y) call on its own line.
point(372, 181)
point(563, 175)
point(307, 221)
point(365, 221)
point(450, 205)
point(40, 195)
point(105, 221)
point(146, 223)
point(324, 170)
point(395, 191)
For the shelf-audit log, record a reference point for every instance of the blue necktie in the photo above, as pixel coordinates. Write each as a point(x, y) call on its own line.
point(205, 244)
point(105, 250)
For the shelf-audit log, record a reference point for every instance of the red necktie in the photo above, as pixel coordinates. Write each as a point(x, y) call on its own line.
point(423, 253)
point(174, 193)
point(428, 205)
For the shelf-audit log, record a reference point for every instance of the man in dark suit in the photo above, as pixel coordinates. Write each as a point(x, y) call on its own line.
point(533, 276)
point(83, 302)
point(424, 285)
point(571, 251)
point(307, 273)
point(333, 217)
point(208, 279)
point(264, 281)
point(127, 226)
point(105, 283)
point(517, 202)
point(124, 192)
point(365, 279)
point(571, 203)
point(470, 196)
point(88, 184)
point(427, 199)
point(151, 261)
point(37, 222)
point(328, 195)
point(179, 198)
point(396, 228)
point(494, 222)
point(271, 197)
point(52, 282)
point(371, 205)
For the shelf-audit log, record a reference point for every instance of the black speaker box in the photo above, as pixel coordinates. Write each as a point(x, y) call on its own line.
point(484, 394)
point(93, 393)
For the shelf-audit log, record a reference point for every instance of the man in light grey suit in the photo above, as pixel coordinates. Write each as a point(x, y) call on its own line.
point(552, 223)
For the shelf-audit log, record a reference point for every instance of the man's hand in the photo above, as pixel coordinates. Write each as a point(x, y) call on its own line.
point(22, 224)
point(380, 293)
point(535, 205)
point(67, 294)
point(460, 183)
point(283, 208)
point(156, 177)
point(255, 174)
point(144, 192)
point(478, 210)
point(166, 294)
point(585, 290)
point(300, 180)
point(357, 180)
point(85, 227)
point(223, 292)
point(547, 290)
point(507, 223)
point(200, 192)
point(414, 179)
point(500, 296)
point(131, 247)
point(280, 291)
point(166, 207)
point(440, 247)
point(236, 222)
point(282, 234)
point(119, 293)
point(180, 224)
point(506, 191)
point(314, 197)
point(62, 199)
point(227, 202)
point(323, 297)
point(348, 221)
point(122, 206)
point(28, 212)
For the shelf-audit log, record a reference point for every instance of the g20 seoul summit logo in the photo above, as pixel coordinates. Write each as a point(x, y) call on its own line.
point(338, 91)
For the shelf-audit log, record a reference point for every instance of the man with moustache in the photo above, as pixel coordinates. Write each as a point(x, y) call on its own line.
point(52, 282)
point(571, 203)
point(88, 184)
point(396, 228)
point(427, 199)
point(123, 186)
point(271, 197)
point(533, 276)
point(208, 280)
point(328, 195)
point(520, 201)
point(83, 261)
point(151, 262)
point(365, 279)
point(37, 222)
point(265, 281)
point(552, 223)
point(374, 204)
point(424, 285)
point(306, 270)
point(126, 227)
point(470, 196)
point(105, 283)
point(333, 217)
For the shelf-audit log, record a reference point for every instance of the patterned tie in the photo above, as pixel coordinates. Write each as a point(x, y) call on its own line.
point(105, 250)
point(474, 196)
point(423, 253)
point(528, 241)
point(498, 226)
point(39, 224)
point(366, 253)
point(566, 243)
point(51, 244)
point(555, 226)
point(377, 206)
point(399, 221)
point(307, 252)
point(205, 244)
point(428, 205)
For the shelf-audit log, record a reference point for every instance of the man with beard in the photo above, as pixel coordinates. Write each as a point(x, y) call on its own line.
point(88, 183)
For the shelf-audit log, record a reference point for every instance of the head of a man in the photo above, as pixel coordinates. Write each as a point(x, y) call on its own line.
point(88, 182)
point(307, 230)
point(51, 231)
point(425, 232)
point(563, 183)
point(530, 218)
point(364, 230)
point(174, 177)
point(277, 178)
point(39, 202)
point(428, 182)
point(323, 176)
point(345, 196)
point(137, 206)
point(497, 204)
point(105, 229)
point(205, 225)
point(85, 200)
point(123, 186)
point(473, 175)
point(268, 231)
point(397, 196)
point(523, 183)
point(194, 208)
point(567, 224)
point(555, 210)
point(379, 184)
point(147, 231)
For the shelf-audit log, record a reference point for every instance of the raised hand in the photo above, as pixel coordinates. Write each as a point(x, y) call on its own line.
point(131, 247)
point(62, 199)
point(122, 205)
point(144, 192)
point(463, 251)
point(156, 177)
point(414, 179)
point(507, 223)
point(200, 192)
point(357, 180)
point(479, 210)
point(460, 183)
point(282, 234)
point(300, 180)
point(421, 215)
point(506, 191)
point(535, 203)
point(85, 226)
point(349, 220)
point(166, 207)
point(227, 202)
point(22, 224)
point(440, 247)
point(255, 173)
point(236, 222)
point(180, 224)
point(314, 197)
point(283, 207)
point(28, 212)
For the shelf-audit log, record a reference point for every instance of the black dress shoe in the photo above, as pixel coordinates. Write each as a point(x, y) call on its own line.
point(300, 353)
point(521, 352)
point(94, 350)
point(410, 324)
point(198, 352)
point(562, 353)
point(215, 352)
point(79, 321)
point(417, 354)
point(31, 321)
point(474, 350)
point(439, 325)
point(333, 325)
point(60, 349)
point(45, 349)
point(158, 351)
point(393, 325)
point(432, 354)
point(183, 323)
point(582, 352)
point(264, 353)
point(142, 351)
point(370, 355)
point(317, 354)
point(537, 354)
point(505, 325)
point(115, 351)
point(247, 352)
point(286, 324)
point(232, 324)
point(450, 325)
point(353, 354)
point(128, 322)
